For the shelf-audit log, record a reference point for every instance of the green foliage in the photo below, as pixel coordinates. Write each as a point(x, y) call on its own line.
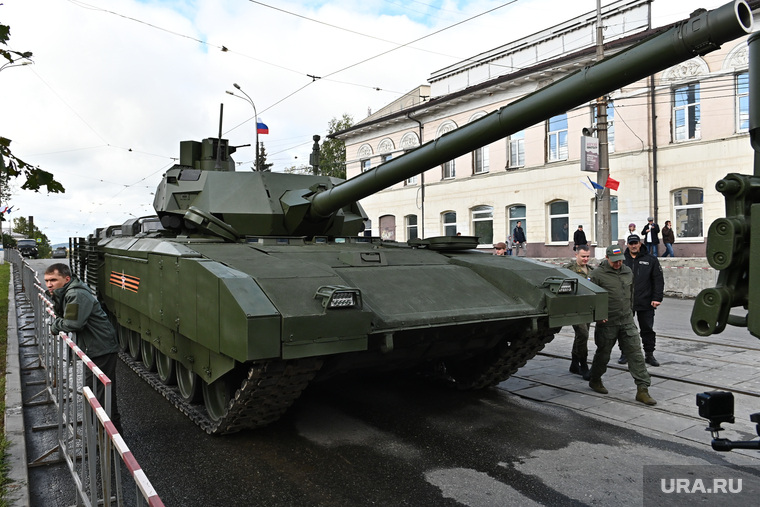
point(36, 178)
point(332, 156)
point(5, 275)
point(261, 159)
point(22, 226)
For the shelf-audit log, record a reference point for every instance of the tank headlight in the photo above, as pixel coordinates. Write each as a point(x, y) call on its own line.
point(337, 296)
point(561, 285)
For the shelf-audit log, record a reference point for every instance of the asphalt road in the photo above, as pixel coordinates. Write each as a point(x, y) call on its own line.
point(396, 440)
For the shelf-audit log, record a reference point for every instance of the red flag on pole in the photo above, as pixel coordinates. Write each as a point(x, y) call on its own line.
point(612, 184)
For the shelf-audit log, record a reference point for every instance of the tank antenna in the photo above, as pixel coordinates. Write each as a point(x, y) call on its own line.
point(218, 165)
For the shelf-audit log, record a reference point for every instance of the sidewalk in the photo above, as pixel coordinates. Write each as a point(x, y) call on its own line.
point(690, 364)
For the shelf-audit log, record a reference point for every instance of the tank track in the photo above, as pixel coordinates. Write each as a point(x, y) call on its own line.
point(268, 390)
point(505, 360)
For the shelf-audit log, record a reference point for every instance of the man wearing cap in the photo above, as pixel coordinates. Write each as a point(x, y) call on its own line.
point(617, 279)
point(500, 249)
point(650, 232)
point(648, 287)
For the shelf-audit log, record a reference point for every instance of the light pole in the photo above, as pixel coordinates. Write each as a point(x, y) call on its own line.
point(255, 120)
point(8, 65)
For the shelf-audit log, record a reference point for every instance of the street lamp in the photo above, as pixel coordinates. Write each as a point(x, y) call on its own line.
point(14, 64)
point(255, 119)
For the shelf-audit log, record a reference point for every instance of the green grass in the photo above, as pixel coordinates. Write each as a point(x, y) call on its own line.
point(5, 275)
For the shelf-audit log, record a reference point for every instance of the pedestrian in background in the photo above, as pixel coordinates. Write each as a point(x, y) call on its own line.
point(500, 249)
point(631, 228)
point(668, 238)
point(510, 245)
point(579, 354)
point(617, 279)
point(518, 236)
point(649, 233)
point(579, 238)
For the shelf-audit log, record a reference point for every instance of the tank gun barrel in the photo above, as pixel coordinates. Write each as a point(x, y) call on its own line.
point(698, 35)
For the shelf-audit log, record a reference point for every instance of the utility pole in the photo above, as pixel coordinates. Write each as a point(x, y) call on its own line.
point(603, 213)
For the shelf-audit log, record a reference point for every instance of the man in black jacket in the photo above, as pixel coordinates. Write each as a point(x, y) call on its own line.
point(651, 240)
point(648, 286)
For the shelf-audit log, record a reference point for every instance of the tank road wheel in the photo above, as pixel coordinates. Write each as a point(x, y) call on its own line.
point(149, 356)
point(165, 368)
point(187, 382)
point(123, 333)
point(134, 345)
point(217, 396)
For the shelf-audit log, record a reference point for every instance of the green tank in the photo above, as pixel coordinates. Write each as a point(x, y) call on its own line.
point(248, 286)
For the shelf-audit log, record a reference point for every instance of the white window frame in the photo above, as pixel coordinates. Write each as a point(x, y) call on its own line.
point(681, 211)
point(742, 102)
point(516, 150)
point(686, 113)
point(480, 160)
point(556, 138)
point(513, 217)
point(449, 227)
point(480, 215)
point(448, 170)
point(410, 227)
point(559, 217)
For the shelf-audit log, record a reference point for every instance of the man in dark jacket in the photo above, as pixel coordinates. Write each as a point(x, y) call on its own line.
point(518, 237)
point(617, 279)
point(79, 312)
point(650, 232)
point(648, 287)
point(579, 238)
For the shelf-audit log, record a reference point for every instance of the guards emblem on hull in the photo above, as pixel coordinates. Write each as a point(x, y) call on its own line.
point(125, 281)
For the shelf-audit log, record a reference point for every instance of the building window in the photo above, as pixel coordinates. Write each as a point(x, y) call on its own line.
point(742, 102)
point(516, 149)
point(557, 138)
point(449, 170)
point(482, 224)
point(613, 218)
point(687, 207)
point(385, 158)
point(559, 221)
point(411, 181)
point(449, 220)
point(480, 160)
point(366, 165)
point(686, 119)
point(388, 227)
point(411, 227)
point(516, 214)
point(610, 125)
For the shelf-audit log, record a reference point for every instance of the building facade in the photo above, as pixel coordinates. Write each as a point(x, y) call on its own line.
point(671, 137)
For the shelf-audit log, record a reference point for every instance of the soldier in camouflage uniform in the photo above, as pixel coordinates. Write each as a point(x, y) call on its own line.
point(617, 279)
point(580, 344)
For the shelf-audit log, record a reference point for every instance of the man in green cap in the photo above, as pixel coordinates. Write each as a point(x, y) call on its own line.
point(617, 279)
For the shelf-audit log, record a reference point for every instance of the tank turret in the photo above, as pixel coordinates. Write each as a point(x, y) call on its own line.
point(259, 282)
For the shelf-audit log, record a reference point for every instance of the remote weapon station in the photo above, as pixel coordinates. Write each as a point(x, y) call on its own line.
point(257, 283)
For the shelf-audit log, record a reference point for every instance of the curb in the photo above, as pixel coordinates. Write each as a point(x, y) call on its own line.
point(17, 490)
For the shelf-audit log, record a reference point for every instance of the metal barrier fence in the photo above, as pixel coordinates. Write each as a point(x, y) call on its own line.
point(87, 440)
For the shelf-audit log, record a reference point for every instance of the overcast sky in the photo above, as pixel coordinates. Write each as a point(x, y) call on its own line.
point(117, 84)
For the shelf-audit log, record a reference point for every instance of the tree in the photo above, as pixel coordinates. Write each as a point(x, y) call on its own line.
point(332, 155)
point(261, 159)
point(35, 177)
point(22, 226)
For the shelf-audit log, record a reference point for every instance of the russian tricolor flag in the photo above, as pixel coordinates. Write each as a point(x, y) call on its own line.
point(261, 128)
